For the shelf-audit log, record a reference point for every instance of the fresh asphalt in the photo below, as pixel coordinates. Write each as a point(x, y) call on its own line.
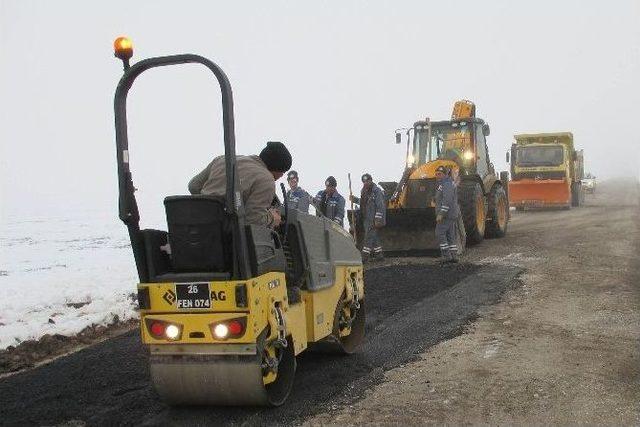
point(409, 308)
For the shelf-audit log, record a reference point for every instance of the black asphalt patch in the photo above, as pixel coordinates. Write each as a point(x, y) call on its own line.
point(409, 308)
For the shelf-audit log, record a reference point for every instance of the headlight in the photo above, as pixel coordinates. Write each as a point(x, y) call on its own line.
point(410, 159)
point(468, 155)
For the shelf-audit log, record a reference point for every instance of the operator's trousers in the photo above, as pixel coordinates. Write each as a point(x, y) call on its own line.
point(447, 234)
point(371, 243)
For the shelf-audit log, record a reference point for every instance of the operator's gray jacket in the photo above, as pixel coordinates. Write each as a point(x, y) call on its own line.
point(447, 199)
point(298, 199)
point(257, 186)
point(374, 208)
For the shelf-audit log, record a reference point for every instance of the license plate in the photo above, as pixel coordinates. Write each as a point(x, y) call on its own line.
point(193, 295)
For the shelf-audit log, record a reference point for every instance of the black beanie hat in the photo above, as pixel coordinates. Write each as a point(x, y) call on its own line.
point(292, 174)
point(276, 156)
point(366, 177)
point(331, 181)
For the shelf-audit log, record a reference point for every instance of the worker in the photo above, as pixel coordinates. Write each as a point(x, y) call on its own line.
point(447, 211)
point(257, 176)
point(297, 198)
point(373, 214)
point(329, 202)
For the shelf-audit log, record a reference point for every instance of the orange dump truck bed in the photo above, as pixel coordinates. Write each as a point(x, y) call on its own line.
point(533, 193)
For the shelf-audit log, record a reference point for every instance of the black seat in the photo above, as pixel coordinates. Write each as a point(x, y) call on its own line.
point(198, 234)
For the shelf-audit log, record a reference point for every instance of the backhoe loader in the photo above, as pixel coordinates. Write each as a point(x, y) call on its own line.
point(226, 306)
point(460, 145)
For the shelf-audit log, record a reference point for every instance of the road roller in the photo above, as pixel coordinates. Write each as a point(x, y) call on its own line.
point(226, 306)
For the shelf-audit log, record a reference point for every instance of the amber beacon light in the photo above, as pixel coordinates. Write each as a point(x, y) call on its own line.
point(123, 49)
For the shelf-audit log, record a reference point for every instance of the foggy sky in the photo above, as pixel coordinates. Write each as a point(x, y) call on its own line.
point(332, 80)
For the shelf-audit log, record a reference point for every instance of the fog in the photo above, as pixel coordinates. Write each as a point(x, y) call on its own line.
point(332, 80)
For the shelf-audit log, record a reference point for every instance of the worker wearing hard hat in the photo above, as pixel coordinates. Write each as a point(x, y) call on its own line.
point(447, 211)
point(373, 214)
point(257, 175)
point(297, 198)
point(329, 202)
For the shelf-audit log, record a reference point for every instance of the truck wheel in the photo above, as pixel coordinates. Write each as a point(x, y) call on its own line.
point(473, 208)
point(498, 212)
point(576, 190)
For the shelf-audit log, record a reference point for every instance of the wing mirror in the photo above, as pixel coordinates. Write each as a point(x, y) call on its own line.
point(486, 130)
point(398, 138)
point(508, 157)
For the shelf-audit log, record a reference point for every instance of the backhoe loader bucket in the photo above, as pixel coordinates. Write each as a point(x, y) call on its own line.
point(530, 193)
point(412, 232)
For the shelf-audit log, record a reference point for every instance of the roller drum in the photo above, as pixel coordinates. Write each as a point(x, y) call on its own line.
point(220, 380)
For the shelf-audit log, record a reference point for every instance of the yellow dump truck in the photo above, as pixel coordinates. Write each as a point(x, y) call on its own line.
point(546, 171)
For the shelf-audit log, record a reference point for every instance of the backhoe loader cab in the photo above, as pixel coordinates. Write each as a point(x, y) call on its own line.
point(459, 144)
point(461, 141)
point(225, 306)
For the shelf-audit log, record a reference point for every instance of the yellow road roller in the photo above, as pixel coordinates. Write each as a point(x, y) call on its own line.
point(225, 306)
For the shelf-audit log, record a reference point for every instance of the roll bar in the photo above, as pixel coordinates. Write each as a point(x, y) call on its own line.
point(128, 207)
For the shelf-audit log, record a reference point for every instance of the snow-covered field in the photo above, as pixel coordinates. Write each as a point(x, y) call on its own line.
point(60, 274)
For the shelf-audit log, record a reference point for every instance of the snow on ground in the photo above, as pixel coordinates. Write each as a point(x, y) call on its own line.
point(60, 274)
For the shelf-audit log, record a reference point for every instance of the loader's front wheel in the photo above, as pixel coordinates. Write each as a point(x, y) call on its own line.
point(474, 211)
point(498, 212)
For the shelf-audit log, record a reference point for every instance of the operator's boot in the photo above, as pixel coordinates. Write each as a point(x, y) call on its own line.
point(366, 255)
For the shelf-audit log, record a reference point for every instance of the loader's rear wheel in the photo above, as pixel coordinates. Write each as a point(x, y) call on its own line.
point(498, 212)
point(473, 209)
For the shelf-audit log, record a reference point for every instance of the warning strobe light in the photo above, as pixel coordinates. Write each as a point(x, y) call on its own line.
point(123, 48)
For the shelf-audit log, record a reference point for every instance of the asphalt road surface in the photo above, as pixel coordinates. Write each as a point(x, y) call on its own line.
point(410, 307)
